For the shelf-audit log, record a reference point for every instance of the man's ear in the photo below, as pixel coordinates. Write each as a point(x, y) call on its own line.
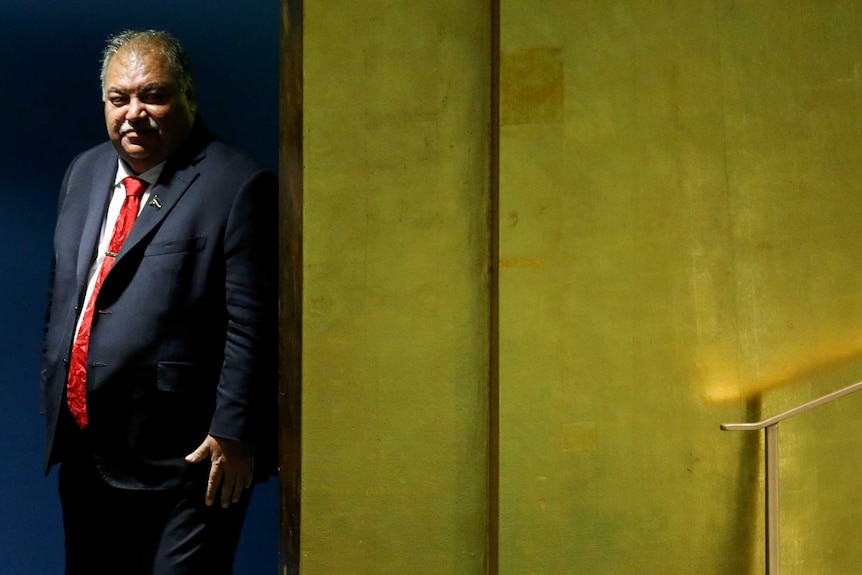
point(190, 96)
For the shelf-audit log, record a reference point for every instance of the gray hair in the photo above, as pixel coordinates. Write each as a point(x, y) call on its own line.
point(153, 42)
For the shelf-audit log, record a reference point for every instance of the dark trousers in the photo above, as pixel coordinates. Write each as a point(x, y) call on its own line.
point(132, 532)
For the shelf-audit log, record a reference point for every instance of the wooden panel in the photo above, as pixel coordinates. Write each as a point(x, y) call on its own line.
point(290, 337)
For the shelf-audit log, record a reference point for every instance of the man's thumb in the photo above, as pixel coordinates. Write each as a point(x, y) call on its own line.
point(198, 454)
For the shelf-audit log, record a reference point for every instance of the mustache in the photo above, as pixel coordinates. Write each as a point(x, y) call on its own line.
point(145, 124)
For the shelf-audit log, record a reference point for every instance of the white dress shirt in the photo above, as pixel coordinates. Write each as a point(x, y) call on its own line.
point(118, 196)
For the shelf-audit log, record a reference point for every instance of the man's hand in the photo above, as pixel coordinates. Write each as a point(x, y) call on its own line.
point(232, 467)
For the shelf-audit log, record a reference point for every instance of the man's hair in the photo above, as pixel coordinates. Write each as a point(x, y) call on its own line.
point(150, 42)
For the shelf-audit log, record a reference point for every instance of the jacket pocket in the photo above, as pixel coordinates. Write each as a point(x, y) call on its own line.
point(175, 246)
point(177, 376)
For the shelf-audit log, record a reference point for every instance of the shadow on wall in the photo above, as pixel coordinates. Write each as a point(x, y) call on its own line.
point(743, 540)
point(821, 359)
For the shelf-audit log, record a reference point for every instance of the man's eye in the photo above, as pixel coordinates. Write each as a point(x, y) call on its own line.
point(119, 101)
point(153, 98)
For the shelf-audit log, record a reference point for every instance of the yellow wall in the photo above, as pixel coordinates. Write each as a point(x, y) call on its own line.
point(395, 333)
point(679, 237)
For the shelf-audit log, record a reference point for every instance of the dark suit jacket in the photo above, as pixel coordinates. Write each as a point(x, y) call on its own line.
point(184, 339)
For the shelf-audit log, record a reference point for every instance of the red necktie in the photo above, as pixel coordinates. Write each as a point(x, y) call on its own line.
point(77, 383)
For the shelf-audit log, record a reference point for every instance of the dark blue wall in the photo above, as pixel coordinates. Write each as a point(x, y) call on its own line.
point(50, 109)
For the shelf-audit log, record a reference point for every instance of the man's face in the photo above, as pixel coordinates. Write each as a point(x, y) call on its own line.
point(146, 114)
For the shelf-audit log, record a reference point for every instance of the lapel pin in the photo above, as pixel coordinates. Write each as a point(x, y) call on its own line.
point(155, 202)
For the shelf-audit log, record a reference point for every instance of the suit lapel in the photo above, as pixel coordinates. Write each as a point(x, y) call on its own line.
point(163, 198)
point(164, 195)
point(96, 200)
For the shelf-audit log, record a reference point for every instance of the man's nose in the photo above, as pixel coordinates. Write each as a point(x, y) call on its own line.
point(136, 109)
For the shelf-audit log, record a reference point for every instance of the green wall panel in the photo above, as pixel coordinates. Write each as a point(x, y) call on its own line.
point(396, 309)
point(678, 245)
point(679, 215)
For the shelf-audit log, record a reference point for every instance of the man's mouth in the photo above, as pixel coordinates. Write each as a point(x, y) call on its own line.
point(135, 132)
point(127, 129)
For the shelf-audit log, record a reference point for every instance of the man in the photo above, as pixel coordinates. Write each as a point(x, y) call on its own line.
point(159, 369)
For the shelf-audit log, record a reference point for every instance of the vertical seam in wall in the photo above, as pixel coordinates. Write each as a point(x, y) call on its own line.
point(290, 281)
point(493, 567)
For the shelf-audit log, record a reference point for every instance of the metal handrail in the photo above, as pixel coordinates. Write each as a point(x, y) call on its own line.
point(770, 427)
point(791, 412)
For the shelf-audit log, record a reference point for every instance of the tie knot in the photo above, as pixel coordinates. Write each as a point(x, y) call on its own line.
point(134, 186)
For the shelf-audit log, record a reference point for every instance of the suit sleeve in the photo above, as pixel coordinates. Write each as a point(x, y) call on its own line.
point(246, 400)
point(43, 373)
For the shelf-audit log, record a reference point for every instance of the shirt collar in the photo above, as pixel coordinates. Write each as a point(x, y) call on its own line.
point(151, 176)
